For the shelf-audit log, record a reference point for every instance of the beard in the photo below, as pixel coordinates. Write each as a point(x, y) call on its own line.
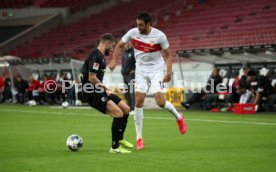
point(106, 52)
point(142, 31)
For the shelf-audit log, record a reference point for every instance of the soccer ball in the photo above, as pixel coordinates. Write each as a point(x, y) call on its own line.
point(32, 103)
point(78, 103)
point(74, 142)
point(65, 104)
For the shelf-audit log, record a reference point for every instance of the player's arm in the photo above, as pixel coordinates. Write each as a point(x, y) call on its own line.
point(168, 60)
point(93, 79)
point(117, 51)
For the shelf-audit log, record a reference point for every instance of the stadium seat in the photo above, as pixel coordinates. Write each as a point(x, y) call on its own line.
point(188, 26)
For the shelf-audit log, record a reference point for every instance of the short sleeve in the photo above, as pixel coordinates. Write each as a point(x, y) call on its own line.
point(254, 85)
point(127, 37)
point(94, 64)
point(164, 42)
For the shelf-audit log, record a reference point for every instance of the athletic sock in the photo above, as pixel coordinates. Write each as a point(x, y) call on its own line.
point(125, 120)
point(138, 120)
point(172, 109)
point(116, 130)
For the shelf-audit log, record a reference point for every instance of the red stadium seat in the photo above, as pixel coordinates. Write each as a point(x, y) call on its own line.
point(210, 25)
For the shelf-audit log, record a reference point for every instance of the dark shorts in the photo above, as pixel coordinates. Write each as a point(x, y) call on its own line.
point(99, 100)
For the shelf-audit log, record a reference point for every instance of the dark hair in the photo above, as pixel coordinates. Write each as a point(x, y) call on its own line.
point(146, 17)
point(107, 37)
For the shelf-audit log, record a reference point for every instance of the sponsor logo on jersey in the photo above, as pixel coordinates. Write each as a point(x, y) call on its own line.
point(145, 47)
point(96, 66)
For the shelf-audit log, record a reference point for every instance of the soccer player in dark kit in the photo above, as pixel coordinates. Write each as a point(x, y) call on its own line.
point(101, 97)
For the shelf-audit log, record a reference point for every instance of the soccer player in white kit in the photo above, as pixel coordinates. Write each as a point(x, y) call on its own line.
point(148, 44)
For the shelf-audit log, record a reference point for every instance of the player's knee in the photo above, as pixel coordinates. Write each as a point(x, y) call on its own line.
point(118, 114)
point(161, 103)
point(139, 104)
point(127, 110)
point(139, 100)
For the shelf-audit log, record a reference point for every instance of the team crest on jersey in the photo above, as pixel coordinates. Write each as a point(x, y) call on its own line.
point(104, 99)
point(96, 66)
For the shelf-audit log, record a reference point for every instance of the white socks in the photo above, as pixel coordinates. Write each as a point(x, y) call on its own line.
point(171, 109)
point(138, 117)
point(138, 120)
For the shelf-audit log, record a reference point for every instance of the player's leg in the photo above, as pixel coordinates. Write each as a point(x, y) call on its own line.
point(160, 98)
point(102, 103)
point(141, 87)
point(125, 109)
point(113, 110)
point(138, 118)
point(161, 101)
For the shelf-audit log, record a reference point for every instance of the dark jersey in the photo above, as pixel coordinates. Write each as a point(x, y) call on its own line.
point(216, 80)
point(22, 86)
point(243, 83)
point(95, 63)
point(263, 85)
point(128, 61)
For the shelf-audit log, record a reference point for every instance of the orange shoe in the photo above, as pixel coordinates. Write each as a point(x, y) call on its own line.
point(182, 124)
point(140, 144)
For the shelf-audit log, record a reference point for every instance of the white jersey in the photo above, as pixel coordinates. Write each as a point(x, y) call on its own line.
point(147, 48)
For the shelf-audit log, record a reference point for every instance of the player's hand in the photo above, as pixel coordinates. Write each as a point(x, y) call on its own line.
point(109, 92)
point(167, 78)
point(112, 65)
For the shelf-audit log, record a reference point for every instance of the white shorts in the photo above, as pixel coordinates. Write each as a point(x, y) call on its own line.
point(149, 80)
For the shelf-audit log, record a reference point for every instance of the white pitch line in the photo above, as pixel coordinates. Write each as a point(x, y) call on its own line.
point(44, 112)
point(234, 122)
point(159, 118)
point(218, 121)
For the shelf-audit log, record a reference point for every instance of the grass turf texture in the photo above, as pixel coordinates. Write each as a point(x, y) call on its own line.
point(33, 139)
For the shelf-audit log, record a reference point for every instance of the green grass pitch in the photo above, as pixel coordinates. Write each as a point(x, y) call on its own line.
point(34, 139)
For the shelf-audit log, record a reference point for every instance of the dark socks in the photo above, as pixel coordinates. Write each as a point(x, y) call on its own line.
point(125, 119)
point(117, 131)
